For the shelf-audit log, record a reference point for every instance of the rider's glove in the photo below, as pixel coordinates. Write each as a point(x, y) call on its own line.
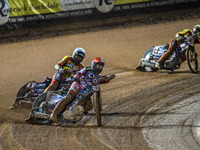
point(188, 38)
point(76, 79)
point(180, 38)
point(112, 76)
point(61, 70)
point(81, 78)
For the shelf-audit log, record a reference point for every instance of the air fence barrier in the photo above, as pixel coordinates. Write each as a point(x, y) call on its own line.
point(13, 12)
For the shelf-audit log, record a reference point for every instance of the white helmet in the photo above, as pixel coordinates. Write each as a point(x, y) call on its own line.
point(78, 55)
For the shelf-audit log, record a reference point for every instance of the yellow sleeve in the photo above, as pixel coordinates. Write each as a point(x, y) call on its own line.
point(62, 62)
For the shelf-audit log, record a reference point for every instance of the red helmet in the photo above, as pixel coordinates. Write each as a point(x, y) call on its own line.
point(97, 65)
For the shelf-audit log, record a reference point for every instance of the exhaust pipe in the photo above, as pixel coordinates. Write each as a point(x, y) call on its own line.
point(42, 115)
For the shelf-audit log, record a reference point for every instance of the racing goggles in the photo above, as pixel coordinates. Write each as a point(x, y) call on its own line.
point(99, 66)
point(79, 58)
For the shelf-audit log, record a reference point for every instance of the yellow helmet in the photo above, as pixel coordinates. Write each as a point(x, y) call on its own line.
point(196, 29)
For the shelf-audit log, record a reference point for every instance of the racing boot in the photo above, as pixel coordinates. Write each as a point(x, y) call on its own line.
point(159, 65)
point(60, 107)
point(172, 47)
point(30, 117)
point(51, 87)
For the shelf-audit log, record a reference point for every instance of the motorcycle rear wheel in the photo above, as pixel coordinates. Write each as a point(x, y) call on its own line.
point(23, 92)
point(192, 60)
point(97, 107)
point(37, 107)
point(147, 54)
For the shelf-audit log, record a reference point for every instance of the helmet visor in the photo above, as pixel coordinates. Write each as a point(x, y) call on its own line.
point(78, 58)
point(99, 66)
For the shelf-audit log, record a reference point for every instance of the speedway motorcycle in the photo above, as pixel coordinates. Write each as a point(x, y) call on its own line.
point(29, 92)
point(46, 102)
point(185, 51)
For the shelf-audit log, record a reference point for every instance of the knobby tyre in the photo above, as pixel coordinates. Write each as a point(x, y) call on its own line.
point(23, 92)
point(147, 54)
point(97, 108)
point(37, 107)
point(192, 60)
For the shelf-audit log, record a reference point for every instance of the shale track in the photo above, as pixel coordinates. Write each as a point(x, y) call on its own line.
point(141, 111)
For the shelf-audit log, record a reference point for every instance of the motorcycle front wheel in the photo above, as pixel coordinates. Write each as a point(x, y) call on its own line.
point(97, 107)
point(192, 60)
point(38, 110)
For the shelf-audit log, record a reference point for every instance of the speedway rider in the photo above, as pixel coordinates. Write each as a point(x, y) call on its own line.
point(67, 63)
point(79, 84)
point(175, 43)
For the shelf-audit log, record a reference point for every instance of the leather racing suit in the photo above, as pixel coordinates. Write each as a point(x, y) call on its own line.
point(66, 63)
point(75, 88)
point(173, 45)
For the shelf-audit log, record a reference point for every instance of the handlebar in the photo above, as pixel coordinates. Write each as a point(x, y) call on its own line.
point(101, 78)
point(71, 71)
point(112, 76)
point(66, 71)
point(190, 40)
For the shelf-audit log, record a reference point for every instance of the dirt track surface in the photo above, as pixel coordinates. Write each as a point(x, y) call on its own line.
point(141, 110)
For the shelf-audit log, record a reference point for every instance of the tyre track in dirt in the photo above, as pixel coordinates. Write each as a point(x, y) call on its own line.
point(178, 110)
point(70, 137)
point(127, 114)
point(122, 115)
point(181, 123)
point(88, 125)
point(6, 138)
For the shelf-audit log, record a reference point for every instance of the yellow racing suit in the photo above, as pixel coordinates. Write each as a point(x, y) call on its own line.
point(179, 39)
point(66, 63)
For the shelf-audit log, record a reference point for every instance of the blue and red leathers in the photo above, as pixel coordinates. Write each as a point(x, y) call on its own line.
point(84, 73)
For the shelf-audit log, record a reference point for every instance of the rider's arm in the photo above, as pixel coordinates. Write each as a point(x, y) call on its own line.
point(61, 63)
point(184, 33)
point(197, 41)
point(80, 73)
point(81, 66)
point(107, 79)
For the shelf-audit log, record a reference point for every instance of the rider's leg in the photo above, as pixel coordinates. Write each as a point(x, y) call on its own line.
point(52, 87)
point(61, 106)
point(74, 89)
point(57, 79)
point(172, 47)
point(197, 41)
